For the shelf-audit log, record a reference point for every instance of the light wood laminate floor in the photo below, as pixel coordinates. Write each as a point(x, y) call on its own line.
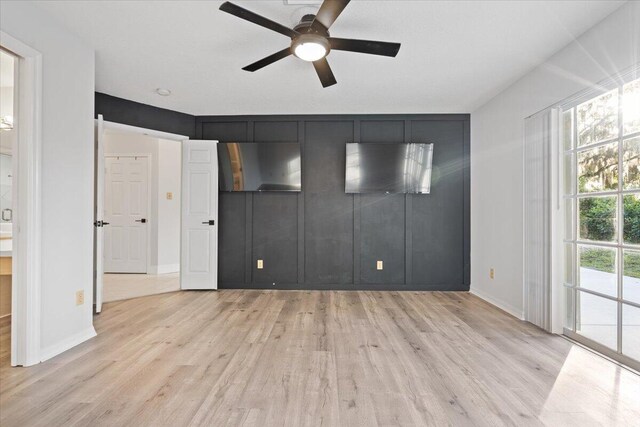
point(263, 358)
point(125, 286)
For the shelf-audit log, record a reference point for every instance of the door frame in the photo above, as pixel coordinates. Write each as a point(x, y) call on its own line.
point(141, 131)
point(26, 310)
point(149, 213)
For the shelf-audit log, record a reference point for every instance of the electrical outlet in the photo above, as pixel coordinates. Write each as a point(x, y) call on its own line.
point(260, 264)
point(379, 265)
point(169, 195)
point(491, 273)
point(79, 297)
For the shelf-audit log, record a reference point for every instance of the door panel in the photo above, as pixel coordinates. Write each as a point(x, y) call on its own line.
point(98, 255)
point(126, 205)
point(199, 257)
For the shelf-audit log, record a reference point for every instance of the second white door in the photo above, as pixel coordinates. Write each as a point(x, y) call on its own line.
point(126, 214)
point(199, 258)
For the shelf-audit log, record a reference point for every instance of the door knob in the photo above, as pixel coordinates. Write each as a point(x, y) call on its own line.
point(143, 220)
point(210, 222)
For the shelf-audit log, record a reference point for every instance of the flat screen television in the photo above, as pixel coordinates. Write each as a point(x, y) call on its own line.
point(260, 166)
point(388, 168)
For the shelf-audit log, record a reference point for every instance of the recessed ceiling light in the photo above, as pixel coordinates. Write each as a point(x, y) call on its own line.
point(163, 92)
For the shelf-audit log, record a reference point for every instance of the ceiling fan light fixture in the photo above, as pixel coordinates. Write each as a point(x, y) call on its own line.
point(310, 47)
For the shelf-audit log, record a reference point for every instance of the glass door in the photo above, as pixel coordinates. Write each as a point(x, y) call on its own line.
point(601, 140)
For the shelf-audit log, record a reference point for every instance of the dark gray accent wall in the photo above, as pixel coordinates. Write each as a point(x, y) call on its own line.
point(132, 113)
point(323, 238)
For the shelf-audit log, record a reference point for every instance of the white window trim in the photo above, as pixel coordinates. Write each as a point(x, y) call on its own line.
point(613, 83)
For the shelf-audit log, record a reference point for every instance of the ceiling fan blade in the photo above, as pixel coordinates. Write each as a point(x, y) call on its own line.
point(329, 12)
point(257, 19)
point(268, 60)
point(365, 46)
point(324, 72)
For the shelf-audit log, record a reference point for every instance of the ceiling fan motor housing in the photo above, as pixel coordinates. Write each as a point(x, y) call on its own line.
point(305, 26)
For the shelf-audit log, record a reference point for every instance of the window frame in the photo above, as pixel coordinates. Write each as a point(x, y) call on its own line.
point(572, 238)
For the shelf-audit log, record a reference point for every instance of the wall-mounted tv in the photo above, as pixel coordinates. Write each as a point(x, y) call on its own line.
point(388, 168)
point(260, 166)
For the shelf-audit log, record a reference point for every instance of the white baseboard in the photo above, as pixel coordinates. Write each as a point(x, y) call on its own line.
point(516, 312)
point(66, 344)
point(164, 269)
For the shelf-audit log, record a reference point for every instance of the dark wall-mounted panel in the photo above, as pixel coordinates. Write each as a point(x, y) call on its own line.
point(231, 237)
point(438, 220)
point(328, 237)
point(323, 238)
point(132, 113)
point(382, 216)
point(382, 238)
point(225, 131)
point(286, 131)
point(275, 237)
point(383, 131)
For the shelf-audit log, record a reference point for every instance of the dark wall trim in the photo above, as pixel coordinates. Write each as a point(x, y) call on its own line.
point(132, 113)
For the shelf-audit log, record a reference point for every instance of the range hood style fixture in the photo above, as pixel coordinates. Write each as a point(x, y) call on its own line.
point(310, 39)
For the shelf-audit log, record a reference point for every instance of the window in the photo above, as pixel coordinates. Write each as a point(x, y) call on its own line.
point(601, 141)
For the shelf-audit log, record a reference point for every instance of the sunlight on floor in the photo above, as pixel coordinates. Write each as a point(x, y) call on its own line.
point(609, 391)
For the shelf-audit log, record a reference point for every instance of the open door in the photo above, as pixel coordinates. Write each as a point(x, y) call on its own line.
point(199, 247)
point(98, 262)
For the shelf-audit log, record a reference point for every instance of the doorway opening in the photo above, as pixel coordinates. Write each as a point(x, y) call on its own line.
point(142, 193)
point(8, 193)
point(156, 212)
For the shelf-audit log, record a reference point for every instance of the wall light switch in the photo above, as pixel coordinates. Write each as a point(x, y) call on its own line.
point(379, 265)
point(260, 264)
point(79, 297)
point(169, 195)
point(491, 273)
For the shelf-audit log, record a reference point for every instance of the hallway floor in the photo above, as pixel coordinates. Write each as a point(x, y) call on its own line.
point(125, 286)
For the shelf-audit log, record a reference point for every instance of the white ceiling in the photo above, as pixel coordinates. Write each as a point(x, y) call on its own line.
point(455, 55)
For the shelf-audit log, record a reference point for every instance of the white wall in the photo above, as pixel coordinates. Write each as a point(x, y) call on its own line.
point(169, 178)
point(497, 130)
point(67, 173)
point(164, 218)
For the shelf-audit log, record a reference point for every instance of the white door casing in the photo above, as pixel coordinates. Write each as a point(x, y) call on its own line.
point(199, 247)
point(126, 214)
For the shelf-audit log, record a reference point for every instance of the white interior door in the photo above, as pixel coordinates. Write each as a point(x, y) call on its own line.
point(98, 270)
point(126, 214)
point(199, 256)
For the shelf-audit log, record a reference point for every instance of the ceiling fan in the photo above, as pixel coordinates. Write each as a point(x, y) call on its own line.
point(310, 39)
